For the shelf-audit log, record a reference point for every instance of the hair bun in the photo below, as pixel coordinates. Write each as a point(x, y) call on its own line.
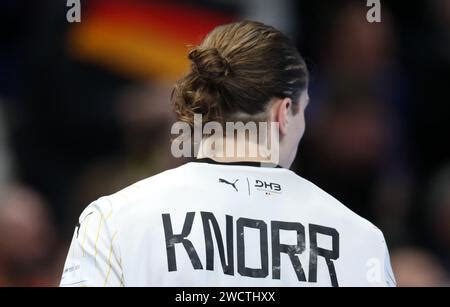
point(209, 64)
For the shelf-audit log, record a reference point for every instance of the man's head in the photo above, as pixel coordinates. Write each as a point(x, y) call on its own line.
point(250, 71)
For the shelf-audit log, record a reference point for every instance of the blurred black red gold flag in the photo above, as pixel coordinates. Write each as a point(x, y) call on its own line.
point(142, 39)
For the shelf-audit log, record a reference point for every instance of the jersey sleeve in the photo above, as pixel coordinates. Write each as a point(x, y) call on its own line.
point(388, 273)
point(388, 279)
point(378, 264)
point(94, 259)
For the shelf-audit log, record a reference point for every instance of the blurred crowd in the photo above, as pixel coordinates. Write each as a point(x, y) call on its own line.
point(81, 117)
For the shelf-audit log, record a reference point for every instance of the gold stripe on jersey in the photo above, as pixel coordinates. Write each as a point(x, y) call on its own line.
point(85, 230)
point(109, 260)
point(98, 235)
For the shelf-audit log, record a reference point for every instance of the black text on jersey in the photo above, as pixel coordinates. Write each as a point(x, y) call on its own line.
point(208, 220)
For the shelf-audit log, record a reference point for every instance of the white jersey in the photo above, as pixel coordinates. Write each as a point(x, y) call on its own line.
point(209, 224)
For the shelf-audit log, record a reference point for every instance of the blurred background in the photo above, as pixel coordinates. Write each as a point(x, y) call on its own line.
point(85, 111)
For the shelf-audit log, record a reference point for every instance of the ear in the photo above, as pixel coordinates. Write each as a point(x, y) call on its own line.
point(282, 114)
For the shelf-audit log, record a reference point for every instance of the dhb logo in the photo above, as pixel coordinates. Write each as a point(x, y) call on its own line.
point(272, 186)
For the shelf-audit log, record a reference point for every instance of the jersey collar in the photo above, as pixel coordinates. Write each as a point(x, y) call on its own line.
point(242, 163)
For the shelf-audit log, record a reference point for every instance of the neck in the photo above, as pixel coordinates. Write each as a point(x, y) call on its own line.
point(228, 150)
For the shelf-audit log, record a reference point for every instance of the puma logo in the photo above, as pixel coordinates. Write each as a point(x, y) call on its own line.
point(227, 182)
